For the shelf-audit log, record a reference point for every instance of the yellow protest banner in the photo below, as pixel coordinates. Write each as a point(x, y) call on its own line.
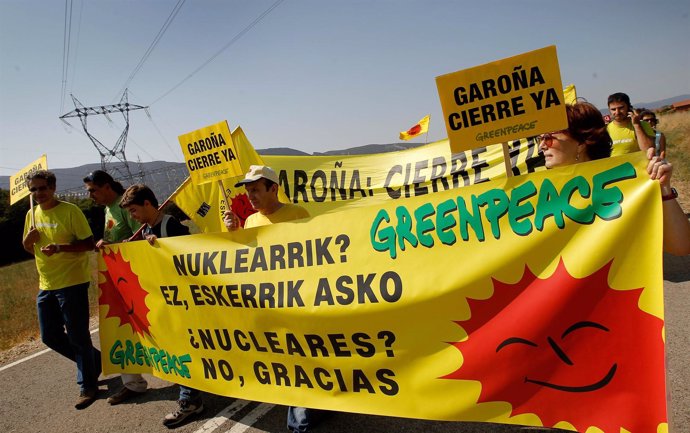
point(328, 183)
point(210, 154)
point(18, 187)
point(516, 300)
point(504, 100)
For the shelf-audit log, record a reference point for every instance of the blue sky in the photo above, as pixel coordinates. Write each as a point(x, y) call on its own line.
point(312, 75)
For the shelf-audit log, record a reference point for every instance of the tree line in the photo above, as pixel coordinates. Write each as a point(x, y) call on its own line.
point(12, 223)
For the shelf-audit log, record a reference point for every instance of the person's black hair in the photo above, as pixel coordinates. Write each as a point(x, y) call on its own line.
point(138, 194)
point(101, 178)
point(46, 175)
point(619, 97)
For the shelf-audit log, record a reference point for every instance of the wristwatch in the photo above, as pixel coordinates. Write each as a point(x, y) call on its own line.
point(671, 196)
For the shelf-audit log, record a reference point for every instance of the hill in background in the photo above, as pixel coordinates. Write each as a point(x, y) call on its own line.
point(164, 177)
point(651, 105)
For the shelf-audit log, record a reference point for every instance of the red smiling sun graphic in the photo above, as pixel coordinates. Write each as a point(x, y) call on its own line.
point(567, 349)
point(123, 294)
point(242, 207)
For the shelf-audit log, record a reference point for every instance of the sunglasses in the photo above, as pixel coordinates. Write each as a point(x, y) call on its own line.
point(549, 137)
point(38, 188)
point(650, 120)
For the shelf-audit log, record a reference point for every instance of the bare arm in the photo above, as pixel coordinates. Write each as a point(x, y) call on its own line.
point(32, 236)
point(74, 247)
point(676, 224)
point(643, 140)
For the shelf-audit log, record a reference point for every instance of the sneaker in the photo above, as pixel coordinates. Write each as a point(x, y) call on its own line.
point(122, 395)
point(185, 409)
point(85, 399)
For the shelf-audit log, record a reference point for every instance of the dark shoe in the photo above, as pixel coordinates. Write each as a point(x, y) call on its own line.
point(185, 409)
point(85, 399)
point(123, 394)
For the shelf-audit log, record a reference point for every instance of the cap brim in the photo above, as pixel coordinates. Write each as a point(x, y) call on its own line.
point(246, 181)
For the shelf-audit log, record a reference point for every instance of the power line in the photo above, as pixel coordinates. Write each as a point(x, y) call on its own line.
point(66, 37)
point(76, 49)
point(225, 47)
point(148, 52)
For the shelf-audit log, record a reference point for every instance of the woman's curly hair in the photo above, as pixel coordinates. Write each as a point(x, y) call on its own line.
point(586, 125)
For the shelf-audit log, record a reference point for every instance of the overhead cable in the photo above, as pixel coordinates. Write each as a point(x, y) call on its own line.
point(225, 47)
point(76, 49)
point(148, 52)
point(66, 36)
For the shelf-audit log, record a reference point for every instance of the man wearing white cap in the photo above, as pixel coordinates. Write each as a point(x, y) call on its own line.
point(261, 183)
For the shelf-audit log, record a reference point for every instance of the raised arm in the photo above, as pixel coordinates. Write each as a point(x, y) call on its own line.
point(676, 224)
point(644, 141)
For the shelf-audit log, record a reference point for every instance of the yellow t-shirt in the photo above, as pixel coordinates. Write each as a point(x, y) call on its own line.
point(624, 139)
point(63, 224)
point(287, 212)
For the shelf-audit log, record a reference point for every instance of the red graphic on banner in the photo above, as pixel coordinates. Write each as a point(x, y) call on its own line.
point(567, 349)
point(242, 207)
point(123, 294)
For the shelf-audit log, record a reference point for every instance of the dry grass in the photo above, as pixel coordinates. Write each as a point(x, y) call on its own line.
point(18, 288)
point(18, 283)
point(676, 127)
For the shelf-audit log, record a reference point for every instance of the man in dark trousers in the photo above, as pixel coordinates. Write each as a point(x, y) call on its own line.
point(60, 238)
point(119, 226)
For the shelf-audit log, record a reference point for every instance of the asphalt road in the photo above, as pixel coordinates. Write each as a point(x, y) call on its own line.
point(38, 394)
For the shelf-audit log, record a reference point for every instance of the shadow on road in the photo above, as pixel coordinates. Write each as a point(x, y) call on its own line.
point(676, 269)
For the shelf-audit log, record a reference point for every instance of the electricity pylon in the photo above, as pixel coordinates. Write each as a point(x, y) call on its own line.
point(118, 151)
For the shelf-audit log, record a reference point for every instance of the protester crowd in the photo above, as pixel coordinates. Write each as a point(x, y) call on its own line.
point(59, 237)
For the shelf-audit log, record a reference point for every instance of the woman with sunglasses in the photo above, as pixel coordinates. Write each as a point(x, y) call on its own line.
point(586, 139)
point(660, 138)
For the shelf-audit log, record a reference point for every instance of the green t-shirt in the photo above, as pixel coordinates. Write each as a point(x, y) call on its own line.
point(63, 224)
point(119, 224)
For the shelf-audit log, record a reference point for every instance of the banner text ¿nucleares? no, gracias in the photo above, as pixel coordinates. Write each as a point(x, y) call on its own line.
point(415, 227)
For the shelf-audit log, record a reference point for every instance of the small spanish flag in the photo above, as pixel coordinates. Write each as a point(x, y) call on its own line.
point(420, 128)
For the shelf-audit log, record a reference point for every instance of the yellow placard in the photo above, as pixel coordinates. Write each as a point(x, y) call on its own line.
point(18, 187)
point(210, 154)
point(511, 98)
point(515, 301)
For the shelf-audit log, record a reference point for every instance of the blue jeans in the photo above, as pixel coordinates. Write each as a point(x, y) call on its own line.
point(189, 394)
point(63, 318)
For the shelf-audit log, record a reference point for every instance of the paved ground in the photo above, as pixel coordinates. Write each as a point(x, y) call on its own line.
point(37, 395)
